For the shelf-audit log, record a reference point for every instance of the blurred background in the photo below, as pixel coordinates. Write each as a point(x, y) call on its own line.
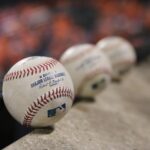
point(49, 27)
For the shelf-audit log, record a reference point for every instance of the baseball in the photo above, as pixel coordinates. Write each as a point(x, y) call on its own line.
point(121, 54)
point(38, 91)
point(90, 69)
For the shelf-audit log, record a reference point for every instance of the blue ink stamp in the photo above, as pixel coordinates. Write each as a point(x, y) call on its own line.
point(52, 112)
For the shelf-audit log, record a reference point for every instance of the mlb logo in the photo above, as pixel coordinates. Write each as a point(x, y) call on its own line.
point(52, 112)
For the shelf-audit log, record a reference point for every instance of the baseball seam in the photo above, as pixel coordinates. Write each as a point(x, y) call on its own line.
point(30, 71)
point(76, 57)
point(40, 102)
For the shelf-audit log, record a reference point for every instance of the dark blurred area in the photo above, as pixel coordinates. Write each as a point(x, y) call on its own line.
point(47, 28)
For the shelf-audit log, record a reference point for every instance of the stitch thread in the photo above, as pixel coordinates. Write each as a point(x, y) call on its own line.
point(43, 100)
point(30, 71)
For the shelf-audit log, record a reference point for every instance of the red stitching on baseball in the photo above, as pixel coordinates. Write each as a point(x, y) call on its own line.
point(35, 69)
point(20, 74)
point(36, 105)
point(39, 69)
point(40, 102)
point(42, 67)
point(17, 74)
point(31, 70)
point(24, 73)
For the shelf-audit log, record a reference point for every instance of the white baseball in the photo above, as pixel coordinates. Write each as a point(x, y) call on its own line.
point(38, 91)
point(90, 69)
point(120, 52)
